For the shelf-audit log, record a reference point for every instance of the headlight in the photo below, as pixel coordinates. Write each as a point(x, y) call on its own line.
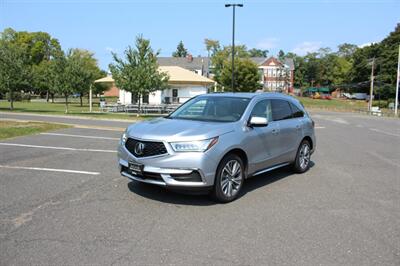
point(124, 138)
point(198, 145)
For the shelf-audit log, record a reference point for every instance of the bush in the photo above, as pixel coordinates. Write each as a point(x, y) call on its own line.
point(381, 104)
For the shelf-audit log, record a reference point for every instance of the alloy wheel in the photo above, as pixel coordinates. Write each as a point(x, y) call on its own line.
point(304, 156)
point(231, 178)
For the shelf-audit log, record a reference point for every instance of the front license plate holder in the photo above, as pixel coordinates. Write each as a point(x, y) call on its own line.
point(136, 168)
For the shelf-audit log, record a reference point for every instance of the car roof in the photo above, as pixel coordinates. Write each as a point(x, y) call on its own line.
point(250, 95)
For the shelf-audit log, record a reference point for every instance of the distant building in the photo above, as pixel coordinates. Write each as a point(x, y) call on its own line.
point(183, 85)
point(199, 65)
point(276, 75)
point(191, 76)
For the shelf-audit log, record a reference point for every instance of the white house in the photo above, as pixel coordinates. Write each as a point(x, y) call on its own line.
point(183, 85)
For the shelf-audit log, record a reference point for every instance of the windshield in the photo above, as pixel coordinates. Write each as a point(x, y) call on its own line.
point(216, 109)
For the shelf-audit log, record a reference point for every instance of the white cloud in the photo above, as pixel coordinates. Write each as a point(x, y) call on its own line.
point(306, 47)
point(267, 43)
point(366, 44)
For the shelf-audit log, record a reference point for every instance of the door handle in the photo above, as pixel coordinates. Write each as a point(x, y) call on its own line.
point(298, 127)
point(275, 131)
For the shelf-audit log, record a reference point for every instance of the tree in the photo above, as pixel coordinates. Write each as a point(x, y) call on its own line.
point(346, 50)
point(218, 59)
point(247, 76)
point(85, 70)
point(181, 51)
point(389, 48)
point(258, 53)
point(15, 72)
point(361, 69)
point(212, 46)
point(41, 78)
point(138, 72)
point(38, 47)
point(63, 75)
point(281, 55)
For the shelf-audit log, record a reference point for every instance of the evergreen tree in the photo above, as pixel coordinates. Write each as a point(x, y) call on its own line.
point(181, 51)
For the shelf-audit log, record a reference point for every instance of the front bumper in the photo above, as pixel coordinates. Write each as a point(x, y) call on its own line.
point(172, 170)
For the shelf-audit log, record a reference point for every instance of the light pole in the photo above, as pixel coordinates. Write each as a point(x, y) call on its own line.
point(396, 101)
point(233, 42)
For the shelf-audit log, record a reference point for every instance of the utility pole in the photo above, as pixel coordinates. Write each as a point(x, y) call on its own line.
point(233, 42)
point(396, 101)
point(371, 91)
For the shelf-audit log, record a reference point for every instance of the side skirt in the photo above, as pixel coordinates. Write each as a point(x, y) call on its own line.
point(269, 169)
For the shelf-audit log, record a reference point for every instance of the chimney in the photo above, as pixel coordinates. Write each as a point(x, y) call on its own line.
point(189, 58)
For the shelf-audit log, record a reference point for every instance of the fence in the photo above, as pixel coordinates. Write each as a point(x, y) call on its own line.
point(144, 109)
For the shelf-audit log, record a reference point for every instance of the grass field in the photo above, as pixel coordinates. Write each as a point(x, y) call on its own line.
point(334, 104)
point(11, 129)
point(74, 109)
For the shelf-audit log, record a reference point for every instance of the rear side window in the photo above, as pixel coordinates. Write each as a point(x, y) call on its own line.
point(296, 111)
point(280, 110)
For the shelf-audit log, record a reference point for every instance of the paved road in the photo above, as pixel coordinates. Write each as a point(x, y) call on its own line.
point(67, 120)
point(344, 211)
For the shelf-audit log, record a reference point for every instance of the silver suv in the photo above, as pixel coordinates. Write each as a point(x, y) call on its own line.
point(216, 141)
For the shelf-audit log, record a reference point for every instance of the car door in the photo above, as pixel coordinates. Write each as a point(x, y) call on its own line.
point(289, 129)
point(262, 142)
point(299, 119)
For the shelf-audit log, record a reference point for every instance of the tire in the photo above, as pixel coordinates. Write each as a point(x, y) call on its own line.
point(227, 184)
point(303, 157)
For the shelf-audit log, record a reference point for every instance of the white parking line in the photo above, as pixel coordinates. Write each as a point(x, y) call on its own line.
point(55, 148)
point(376, 155)
point(50, 170)
point(385, 132)
point(77, 136)
point(318, 127)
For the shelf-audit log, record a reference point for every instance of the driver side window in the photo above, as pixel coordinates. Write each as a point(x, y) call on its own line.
point(262, 109)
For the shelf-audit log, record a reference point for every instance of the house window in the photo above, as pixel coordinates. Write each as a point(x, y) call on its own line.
point(175, 98)
point(145, 98)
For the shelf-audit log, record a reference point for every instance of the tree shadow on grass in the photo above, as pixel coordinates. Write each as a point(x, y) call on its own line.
point(162, 194)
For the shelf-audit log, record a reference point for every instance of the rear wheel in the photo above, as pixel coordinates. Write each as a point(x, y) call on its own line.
point(303, 157)
point(229, 178)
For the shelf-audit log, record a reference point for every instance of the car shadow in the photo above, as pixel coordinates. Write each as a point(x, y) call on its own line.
point(162, 194)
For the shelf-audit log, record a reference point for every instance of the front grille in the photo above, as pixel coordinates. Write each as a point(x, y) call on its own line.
point(151, 148)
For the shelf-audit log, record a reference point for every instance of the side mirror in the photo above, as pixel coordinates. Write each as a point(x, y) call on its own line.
point(257, 121)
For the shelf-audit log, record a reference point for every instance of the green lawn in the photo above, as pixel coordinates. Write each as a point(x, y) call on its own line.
point(334, 104)
point(11, 129)
point(74, 109)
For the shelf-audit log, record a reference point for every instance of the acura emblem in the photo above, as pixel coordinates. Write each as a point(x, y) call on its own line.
point(139, 148)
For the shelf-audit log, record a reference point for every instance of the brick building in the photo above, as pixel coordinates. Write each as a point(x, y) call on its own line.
point(276, 75)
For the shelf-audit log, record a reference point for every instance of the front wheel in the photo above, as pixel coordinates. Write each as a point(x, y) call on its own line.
point(229, 178)
point(303, 157)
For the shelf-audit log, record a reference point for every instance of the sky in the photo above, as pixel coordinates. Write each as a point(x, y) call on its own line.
point(301, 26)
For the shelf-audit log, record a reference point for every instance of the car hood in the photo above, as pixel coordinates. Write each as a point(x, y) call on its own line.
point(178, 130)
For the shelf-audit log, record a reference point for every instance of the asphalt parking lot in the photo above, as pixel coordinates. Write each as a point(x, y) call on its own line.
point(62, 201)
